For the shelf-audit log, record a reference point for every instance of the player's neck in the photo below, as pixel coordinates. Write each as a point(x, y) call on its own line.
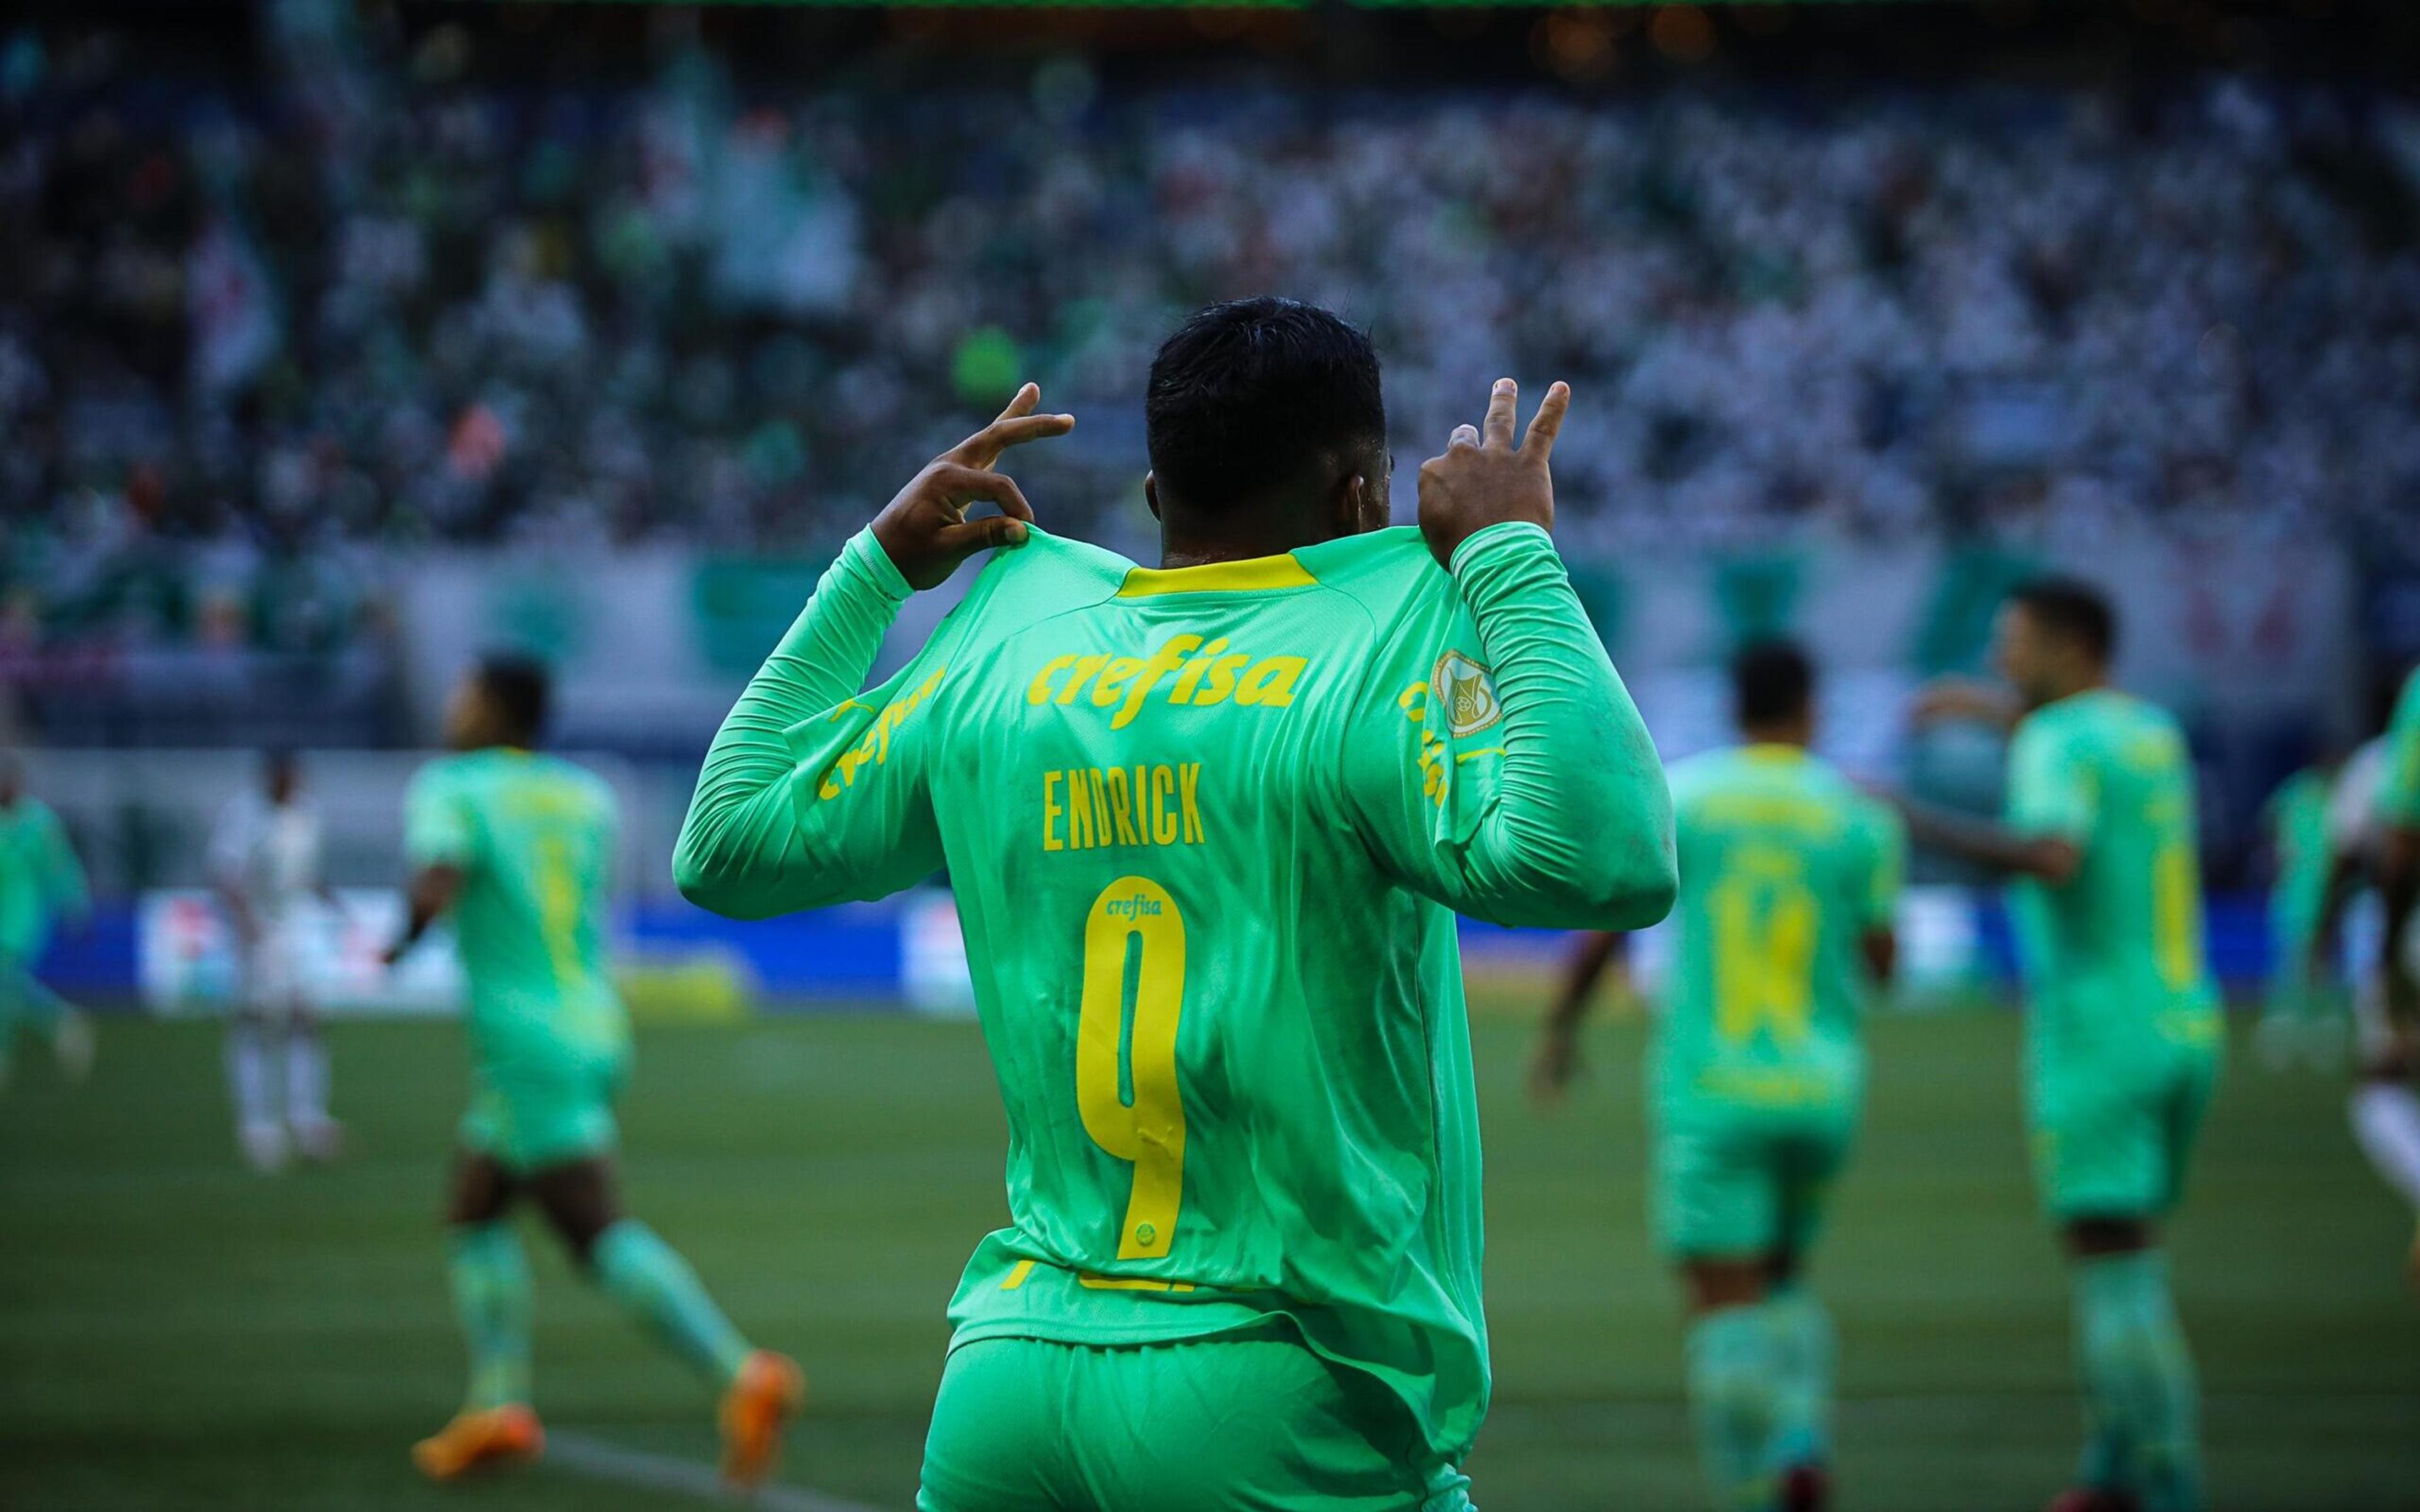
point(2083, 680)
point(1184, 550)
point(1268, 528)
point(1795, 737)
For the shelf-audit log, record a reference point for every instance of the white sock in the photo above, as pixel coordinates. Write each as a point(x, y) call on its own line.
point(2386, 1121)
point(248, 1076)
point(306, 1079)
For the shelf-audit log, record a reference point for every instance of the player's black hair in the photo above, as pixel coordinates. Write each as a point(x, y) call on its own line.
point(1250, 393)
point(1772, 680)
point(517, 688)
point(2073, 609)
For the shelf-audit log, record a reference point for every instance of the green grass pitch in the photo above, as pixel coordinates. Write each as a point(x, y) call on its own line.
point(176, 1332)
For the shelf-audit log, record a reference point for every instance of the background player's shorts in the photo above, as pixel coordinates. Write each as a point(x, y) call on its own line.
point(1750, 1187)
point(2113, 1140)
point(274, 983)
point(1253, 1422)
point(534, 1110)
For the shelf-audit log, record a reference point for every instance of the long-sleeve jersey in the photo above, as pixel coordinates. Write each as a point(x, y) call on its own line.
point(1208, 828)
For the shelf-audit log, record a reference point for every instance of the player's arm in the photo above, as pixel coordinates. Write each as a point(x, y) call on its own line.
point(1990, 844)
point(1885, 877)
point(2052, 804)
point(430, 894)
point(811, 793)
point(1970, 700)
point(226, 870)
point(441, 840)
point(1572, 827)
point(1556, 1059)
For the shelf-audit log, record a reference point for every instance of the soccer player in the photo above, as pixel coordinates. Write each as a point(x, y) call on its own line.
point(1209, 823)
point(2124, 1033)
point(40, 879)
point(1790, 878)
point(2296, 819)
point(265, 861)
point(517, 847)
point(2385, 1110)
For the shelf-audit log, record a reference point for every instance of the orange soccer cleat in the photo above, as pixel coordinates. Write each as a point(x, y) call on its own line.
point(480, 1439)
point(767, 1390)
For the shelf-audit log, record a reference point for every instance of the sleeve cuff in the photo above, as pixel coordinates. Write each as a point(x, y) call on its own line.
point(1496, 538)
point(867, 558)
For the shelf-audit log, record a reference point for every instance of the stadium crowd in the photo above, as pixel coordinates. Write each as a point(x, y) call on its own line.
point(262, 324)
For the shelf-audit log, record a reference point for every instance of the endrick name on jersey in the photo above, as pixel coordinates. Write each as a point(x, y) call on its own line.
point(1087, 807)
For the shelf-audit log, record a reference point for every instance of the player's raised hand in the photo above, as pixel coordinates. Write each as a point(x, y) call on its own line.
point(1949, 699)
point(1485, 479)
point(924, 530)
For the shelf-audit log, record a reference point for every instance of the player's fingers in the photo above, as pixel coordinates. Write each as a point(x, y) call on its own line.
point(1021, 403)
point(1463, 436)
point(1501, 404)
point(981, 535)
point(963, 485)
point(977, 450)
point(982, 448)
point(1007, 433)
point(1547, 423)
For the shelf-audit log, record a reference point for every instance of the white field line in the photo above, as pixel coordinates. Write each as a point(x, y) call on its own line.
point(600, 1460)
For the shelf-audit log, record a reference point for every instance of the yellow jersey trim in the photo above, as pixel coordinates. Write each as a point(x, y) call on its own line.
point(1251, 575)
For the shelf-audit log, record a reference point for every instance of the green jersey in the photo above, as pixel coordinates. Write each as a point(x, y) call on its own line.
point(534, 839)
point(40, 877)
point(1208, 829)
point(1785, 868)
point(2113, 958)
point(2298, 837)
point(2399, 799)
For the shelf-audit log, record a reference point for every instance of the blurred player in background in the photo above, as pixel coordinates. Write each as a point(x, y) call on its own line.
point(2124, 1034)
point(2375, 821)
point(517, 847)
point(41, 879)
point(2297, 1022)
point(1209, 823)
point(265, 861)
point(1790, 878)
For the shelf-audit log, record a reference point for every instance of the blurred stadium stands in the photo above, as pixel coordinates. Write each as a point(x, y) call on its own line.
point(337, 342)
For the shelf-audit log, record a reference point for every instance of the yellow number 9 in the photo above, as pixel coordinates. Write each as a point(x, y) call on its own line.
point(1134, 934)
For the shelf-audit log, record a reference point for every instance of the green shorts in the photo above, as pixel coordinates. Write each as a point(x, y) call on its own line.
point(1752, 1187)
point(1235, 1422)
point(2112, 1139)
point(530, 1111)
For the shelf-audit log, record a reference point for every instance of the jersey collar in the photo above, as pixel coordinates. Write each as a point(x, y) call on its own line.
point(1251, 575)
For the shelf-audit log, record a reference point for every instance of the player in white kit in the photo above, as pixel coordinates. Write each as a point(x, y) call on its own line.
point(265, 858)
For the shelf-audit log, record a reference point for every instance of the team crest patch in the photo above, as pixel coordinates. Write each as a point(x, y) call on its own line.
point(1467, 692)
